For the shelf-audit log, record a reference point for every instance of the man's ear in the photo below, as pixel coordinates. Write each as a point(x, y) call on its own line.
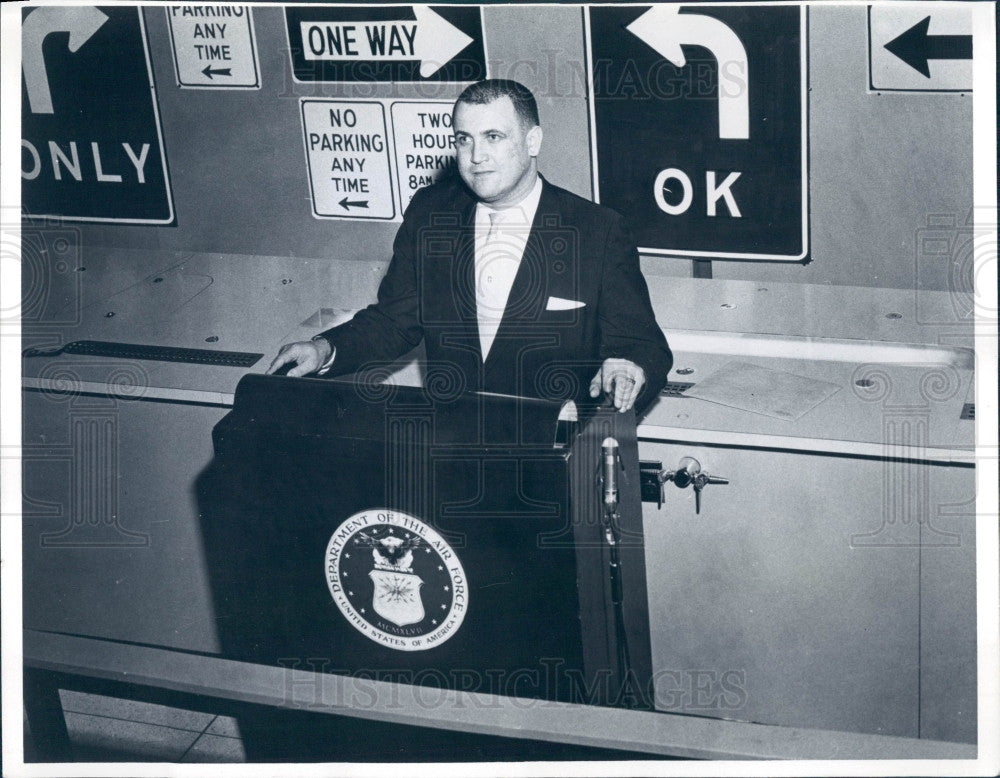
point(534, 138)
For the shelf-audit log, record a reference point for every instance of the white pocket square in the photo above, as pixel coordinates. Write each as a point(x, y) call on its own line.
point(561, 304)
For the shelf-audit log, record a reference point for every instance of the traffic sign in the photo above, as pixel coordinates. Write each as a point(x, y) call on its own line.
point(390, 43)
point(920, 47)
point(699, 127)
point(347, 153)
point(214, 46)
point(424, 143)
point(91, 144)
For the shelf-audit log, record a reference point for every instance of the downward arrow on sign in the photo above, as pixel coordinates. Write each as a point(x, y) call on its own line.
point(666, 30)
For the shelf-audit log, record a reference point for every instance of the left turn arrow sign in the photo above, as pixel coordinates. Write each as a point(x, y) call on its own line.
point(666, 30)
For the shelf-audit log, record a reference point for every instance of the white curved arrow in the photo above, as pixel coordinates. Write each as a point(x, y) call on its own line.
point(438, 40)
point(666, 30)
point(81, 22)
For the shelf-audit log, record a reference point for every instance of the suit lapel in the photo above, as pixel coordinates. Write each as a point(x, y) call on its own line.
point(463, 282)
point(464, 267)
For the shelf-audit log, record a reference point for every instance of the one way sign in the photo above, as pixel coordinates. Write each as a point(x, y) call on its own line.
point(397, 43)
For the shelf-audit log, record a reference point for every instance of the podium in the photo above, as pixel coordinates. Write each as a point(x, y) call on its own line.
point(456, 541)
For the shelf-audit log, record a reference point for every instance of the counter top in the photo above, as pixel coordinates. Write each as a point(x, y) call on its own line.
point(913, 347)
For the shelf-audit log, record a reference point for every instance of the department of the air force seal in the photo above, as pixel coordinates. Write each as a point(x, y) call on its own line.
point(396, 580)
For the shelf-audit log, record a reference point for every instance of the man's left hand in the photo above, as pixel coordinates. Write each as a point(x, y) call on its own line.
point(622, 377)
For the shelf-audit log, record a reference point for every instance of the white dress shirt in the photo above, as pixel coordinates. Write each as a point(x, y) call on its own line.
point(501, 235)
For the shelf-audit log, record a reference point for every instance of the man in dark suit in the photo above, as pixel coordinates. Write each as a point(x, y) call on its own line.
point(515, 285)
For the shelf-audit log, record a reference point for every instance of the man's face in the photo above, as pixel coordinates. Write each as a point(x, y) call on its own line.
point(496, 152)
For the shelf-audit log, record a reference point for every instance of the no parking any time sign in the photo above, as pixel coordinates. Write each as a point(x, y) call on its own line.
point(347, 151)
point(214, 46)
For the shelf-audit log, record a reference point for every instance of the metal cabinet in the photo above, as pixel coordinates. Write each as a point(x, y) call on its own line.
point(815, 590)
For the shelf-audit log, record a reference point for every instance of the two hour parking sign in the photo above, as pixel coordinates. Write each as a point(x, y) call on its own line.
point(91, 145)
point(367, 158)
point(699, 127)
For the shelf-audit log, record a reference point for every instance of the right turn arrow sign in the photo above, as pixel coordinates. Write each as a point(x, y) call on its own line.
point(80, 22)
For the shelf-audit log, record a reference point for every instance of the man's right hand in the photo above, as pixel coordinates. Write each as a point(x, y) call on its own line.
point(307, 357)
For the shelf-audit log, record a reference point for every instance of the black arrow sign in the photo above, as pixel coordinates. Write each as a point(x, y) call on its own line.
point(208, 71)
point(915, 47)
point(346, 204)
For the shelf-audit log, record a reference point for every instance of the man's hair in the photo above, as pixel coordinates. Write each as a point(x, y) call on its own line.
point(484, 92)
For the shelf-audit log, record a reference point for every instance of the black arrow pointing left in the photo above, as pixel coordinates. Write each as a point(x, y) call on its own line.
point(210, 71)
point(348, 204)
point(916, 47)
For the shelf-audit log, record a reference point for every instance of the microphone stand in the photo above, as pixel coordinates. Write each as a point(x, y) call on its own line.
point(610, 525)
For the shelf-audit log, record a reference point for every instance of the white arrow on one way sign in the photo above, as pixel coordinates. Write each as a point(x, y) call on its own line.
point(666, 30)
point(431, 39)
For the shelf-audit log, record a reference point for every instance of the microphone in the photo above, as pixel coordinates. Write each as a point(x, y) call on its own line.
point(609, 455)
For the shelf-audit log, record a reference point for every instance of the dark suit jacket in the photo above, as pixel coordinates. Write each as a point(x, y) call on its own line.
point(576, 251)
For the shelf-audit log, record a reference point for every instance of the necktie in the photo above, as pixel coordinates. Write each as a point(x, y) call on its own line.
point(494, 225)
point(495, 269)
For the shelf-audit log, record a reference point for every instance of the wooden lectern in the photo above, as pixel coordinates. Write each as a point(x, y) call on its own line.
point(453, 541)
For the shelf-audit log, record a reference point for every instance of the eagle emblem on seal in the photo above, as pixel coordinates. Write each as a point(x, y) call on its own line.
point(397, 589)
